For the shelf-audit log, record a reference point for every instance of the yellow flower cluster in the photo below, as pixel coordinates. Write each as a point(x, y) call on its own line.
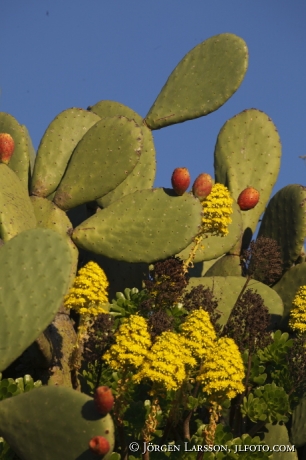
point(222, 372)
point(199, 333)
point(297, 320)
point(132, 344)
point(166, 361)
point(89, 291)
point(217, 209)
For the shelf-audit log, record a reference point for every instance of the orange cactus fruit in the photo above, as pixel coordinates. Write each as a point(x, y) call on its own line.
point(7, 146)
point(202, 186)
point(180, 180)
point(248, 198)
point(104, 399)
point(99, 445)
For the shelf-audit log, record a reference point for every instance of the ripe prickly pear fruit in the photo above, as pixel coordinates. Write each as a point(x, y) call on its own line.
point(7, 146)
point(248, 198)
point(99, 445)
point(202, 186)
point(180, 180)
point(104, 399)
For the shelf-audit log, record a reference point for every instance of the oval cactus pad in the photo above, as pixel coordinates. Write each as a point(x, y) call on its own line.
point(202, 82)
point(145, 226)
point(56, 147)
point(103, 158)
point(35, 275)
point(247, 154)
point(53, 423)
point(16, 210)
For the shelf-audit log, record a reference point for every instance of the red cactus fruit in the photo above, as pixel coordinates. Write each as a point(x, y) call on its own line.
point(99, 445)
point(7, 146)
point(104, 399)
point(202, 186)
point(248, 198)
point(180, 180)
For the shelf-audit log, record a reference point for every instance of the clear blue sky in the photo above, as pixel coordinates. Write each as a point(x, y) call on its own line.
point(72, 53)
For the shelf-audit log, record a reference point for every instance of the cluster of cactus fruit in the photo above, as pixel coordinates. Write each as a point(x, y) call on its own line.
point(87, 194)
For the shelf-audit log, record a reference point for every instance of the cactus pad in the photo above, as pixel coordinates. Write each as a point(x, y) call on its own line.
point(35, 274)
point(248, 153)
point(16, 211)
point(144, 226)
point(103, 158)
point(53, 423)
point(287, 288)
point(285, 221)
point(226, 291)
point(20, 160)
point(202, 82)
point(56, 147)
point(143, 175)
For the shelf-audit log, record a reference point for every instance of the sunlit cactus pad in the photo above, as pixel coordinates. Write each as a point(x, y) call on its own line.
point(144, 226)
point(35, 273)
point(56, 147)
point(203, 81)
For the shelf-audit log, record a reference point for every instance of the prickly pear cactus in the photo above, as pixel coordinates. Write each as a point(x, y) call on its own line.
point(53, 423)
point(35, 273)
point(202, 82)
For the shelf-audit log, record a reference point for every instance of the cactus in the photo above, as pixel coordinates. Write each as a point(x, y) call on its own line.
point(36, 266)
point(228, 288)
point(171, 222)
point(56, 147)
point(202, 82)
point(53, 422)
point(247, 144)
point(16, 212)
point(113, 143)
point(285, 222)
point(104, 157)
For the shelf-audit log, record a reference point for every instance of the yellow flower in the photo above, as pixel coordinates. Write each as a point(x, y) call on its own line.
point(132, 344)
point(217, 209)
point(166, 362)
point(297, 320)
point(199, 333)
point(88, 295)
point(222, 372)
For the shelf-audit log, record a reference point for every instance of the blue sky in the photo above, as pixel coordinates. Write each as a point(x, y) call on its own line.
point(72, 53)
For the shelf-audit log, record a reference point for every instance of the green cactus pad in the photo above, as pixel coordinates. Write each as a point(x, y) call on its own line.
point(298, 425)
point(107, 108)
point(143, 175)
point(56, 147)
point(227, 289)
point(202, 82)
point(228, 265)
point(103, 158)
point(48, 215)
point(20, 160)
point(277, 435)
point(214, 246)
point(285, 221)
point(31, 150)
point(248, 153)
point(145, 226)
point(53, 423)
point(287, 288)
point(35, 274)
point(16, 211)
